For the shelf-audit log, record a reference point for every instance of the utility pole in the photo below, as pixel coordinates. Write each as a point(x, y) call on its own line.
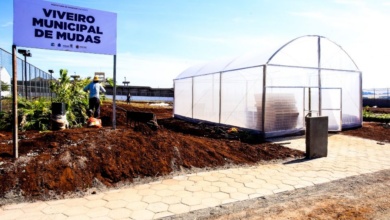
point(25, 53)
point(51, 81)
point(126, 84)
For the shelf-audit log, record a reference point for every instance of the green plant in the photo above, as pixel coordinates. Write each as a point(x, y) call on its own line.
point(370, 116)
point(366, 112)
point(5, 120)
point(110, 81)
point(34, 114)
point(5, 86)
point(61, 88)
point(71, 93)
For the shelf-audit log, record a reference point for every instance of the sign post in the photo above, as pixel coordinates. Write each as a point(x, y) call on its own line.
point(57, 26)
point(15, 103)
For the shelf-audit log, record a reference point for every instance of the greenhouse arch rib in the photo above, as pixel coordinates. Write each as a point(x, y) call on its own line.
point(318, 36)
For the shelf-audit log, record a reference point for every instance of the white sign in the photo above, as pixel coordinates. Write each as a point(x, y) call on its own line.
point(55, 26)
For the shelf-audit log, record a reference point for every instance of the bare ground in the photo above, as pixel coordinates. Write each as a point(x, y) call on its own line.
point(73, 162)
point(358, 197)
point(79, 161)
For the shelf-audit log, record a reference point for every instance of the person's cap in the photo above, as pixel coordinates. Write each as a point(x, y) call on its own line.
point(95, 79)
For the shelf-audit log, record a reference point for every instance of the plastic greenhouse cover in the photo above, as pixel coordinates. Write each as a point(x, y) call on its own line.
point(303, 52)
point(243, 61)
point(300, 52)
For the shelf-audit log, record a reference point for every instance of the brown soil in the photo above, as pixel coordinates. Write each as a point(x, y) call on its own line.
point(378, 110)
point(55, 164)
point(75, 161)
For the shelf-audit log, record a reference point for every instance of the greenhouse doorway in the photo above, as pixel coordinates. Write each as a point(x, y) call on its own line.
point(331, 105)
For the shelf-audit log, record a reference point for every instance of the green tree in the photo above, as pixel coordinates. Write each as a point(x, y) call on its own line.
point(61, 87)
point(35, 114)
point(5, 86)
point(71, 93)
point(110, 81)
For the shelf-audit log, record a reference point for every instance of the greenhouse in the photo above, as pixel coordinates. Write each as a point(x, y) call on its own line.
point(273, 93)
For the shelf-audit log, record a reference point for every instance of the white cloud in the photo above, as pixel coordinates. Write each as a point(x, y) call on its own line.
point(238, 43)
point(160, 70)
point(309, 14)
point(8, 24)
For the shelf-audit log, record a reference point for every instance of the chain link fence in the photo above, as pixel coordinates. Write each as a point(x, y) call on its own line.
point(377, 97)
point(32, 81)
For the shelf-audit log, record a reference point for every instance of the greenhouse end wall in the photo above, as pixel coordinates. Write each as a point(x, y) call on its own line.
point(292, 93)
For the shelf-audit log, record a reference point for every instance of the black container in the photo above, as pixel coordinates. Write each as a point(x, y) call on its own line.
point(58, 108)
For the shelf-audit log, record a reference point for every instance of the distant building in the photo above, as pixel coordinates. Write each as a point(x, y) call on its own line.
point(140, 91)
point(101, 76)
point(4, 75)
point(4, 78)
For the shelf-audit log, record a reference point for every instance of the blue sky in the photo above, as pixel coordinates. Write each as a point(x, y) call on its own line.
point(157, 40)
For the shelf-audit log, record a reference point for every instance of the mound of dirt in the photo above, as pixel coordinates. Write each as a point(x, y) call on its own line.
point(59, 163)
point(77, 161)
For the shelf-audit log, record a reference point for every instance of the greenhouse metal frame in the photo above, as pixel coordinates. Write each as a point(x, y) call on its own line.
point(273, 95)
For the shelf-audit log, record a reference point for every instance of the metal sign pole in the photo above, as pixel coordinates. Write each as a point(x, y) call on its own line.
point(319, 78)
point(15, 103)
point(113, 97)
point(1, 98)
point(25, 76)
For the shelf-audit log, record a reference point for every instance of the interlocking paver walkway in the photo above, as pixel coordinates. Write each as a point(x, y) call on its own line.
point(347, 156)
